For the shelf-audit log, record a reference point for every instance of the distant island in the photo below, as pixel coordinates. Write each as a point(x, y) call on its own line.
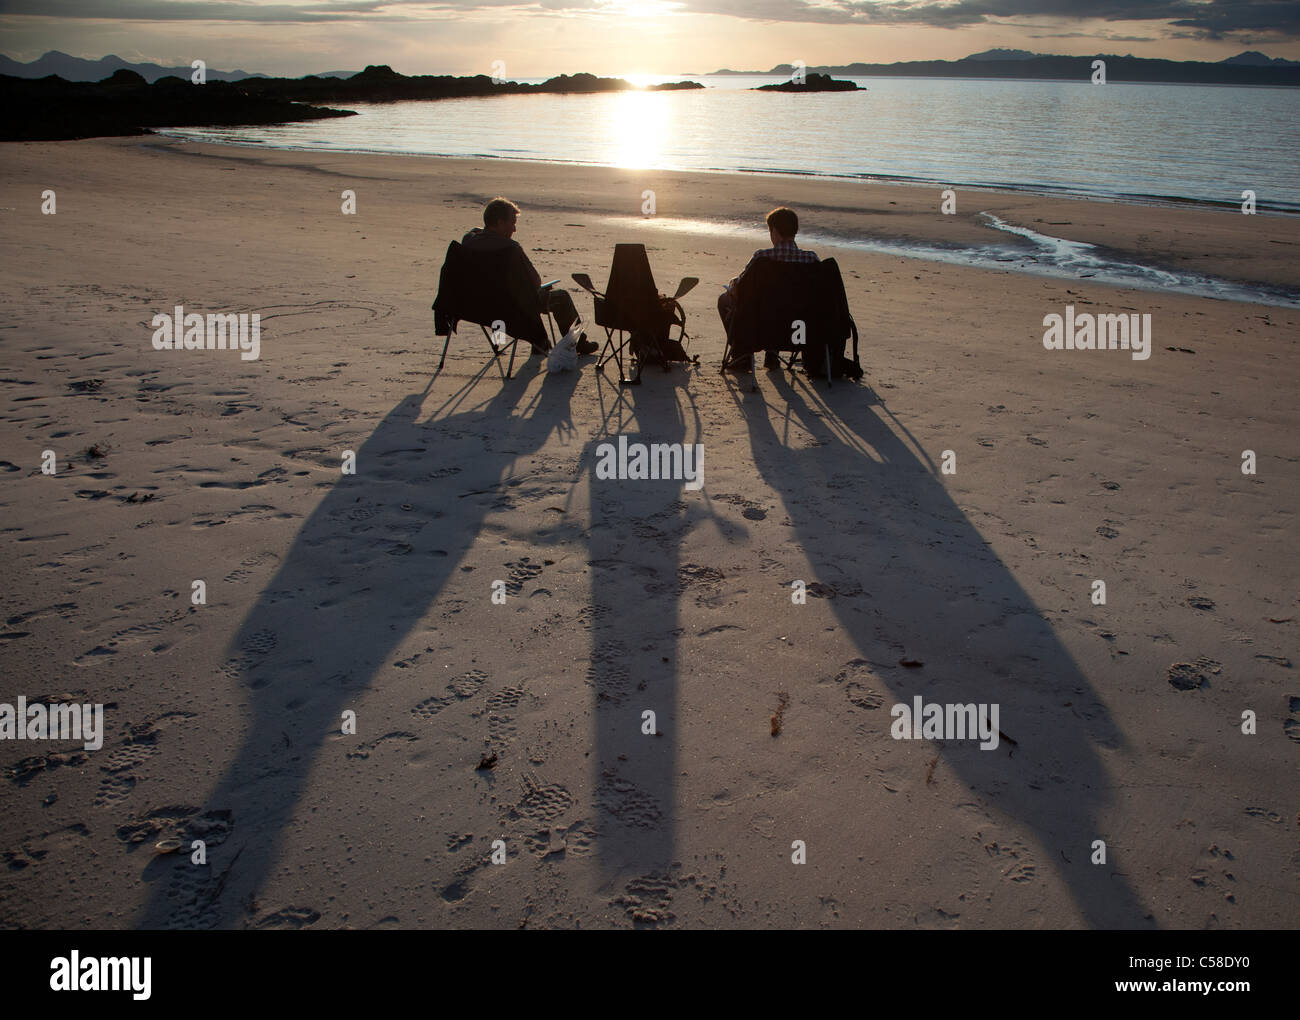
point(50, 109)
point(811, 83)
point(127, 102)
point(1249, 68)
point(380, 83)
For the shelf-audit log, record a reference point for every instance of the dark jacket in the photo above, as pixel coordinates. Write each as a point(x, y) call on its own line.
point(482, 240)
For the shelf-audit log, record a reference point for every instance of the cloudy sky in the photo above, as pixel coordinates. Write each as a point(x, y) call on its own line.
point(545, 37)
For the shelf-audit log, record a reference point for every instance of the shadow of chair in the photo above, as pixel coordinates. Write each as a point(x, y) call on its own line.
point(365, 569)
point(931, 582)
point(638, 614)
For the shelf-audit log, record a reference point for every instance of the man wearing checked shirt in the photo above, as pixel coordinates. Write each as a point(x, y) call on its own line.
point(782, 225)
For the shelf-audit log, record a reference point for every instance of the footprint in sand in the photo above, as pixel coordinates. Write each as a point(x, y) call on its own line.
point(1188, 676)
point(289, 917)
point(128, 757)
point(647, 900)
point(860, 684)
point(27, 769)
point(607, 674)
point(113, 789)
point(626, 802)
point(541, 802)
point(463, 687)
point(246, 566)
point(521, 571)
point(1015, 862)
point(260, 643)
point(192, 893)
point(362, 751)
point(411, 660)
point(500, 712)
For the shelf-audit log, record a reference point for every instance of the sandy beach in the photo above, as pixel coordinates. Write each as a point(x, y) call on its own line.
point(371, 593)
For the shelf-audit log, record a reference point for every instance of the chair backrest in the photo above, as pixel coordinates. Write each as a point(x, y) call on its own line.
point(486, 287)
point(773, 295)
point(631, 299)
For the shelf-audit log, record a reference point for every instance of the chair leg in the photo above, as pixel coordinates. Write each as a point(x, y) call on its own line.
point(443, 360)
point(828, 368)
point(623, 380)
point(683, 339)
point(514, 346)
point(496, 352)
point(727, 358)
point(609, 346)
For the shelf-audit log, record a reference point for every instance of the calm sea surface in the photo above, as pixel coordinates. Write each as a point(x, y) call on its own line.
point(1144, 142)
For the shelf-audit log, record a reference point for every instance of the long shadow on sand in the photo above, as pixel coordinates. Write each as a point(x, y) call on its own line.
point(638, 588)
point(362, 572)
point(878, 526)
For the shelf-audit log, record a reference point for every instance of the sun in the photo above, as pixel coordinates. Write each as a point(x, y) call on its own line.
point(644, 8)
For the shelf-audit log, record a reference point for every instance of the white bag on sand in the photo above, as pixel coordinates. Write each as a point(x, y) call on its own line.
point(564, 355)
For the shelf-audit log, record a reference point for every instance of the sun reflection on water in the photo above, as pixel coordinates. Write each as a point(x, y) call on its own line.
point(638, 127)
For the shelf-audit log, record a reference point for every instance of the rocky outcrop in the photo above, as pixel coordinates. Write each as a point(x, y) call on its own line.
point(811, 83)
point(43, 109)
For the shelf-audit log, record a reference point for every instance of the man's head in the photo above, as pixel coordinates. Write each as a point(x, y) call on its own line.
point(500, 216)
point(782, 224)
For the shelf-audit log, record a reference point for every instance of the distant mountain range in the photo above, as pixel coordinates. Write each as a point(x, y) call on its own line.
point(1249, 68)
point(78, 69)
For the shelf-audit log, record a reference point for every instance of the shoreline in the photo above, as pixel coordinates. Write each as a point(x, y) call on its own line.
point(1248, 241)
point(1039, 191)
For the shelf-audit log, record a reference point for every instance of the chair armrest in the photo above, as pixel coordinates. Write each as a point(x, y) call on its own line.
point(584, 281)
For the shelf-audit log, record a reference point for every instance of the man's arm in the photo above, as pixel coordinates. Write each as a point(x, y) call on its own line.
point(736, 279)
point(533, 275)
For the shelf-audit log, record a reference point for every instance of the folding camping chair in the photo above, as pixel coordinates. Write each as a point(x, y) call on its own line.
point(492, 290)
point(633, 308)
point(797, 307)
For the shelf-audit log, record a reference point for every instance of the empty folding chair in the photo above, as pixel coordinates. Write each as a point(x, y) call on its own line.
point(633, 308)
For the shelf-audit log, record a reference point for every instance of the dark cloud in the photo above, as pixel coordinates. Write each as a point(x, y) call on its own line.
point(1214, 19)
point(1094, 36)
point(1202, 18)
point(267, 13)
point(202, 10)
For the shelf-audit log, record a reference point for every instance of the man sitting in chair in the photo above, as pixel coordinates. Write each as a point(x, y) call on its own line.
point(782, 225)
point(499, 219)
